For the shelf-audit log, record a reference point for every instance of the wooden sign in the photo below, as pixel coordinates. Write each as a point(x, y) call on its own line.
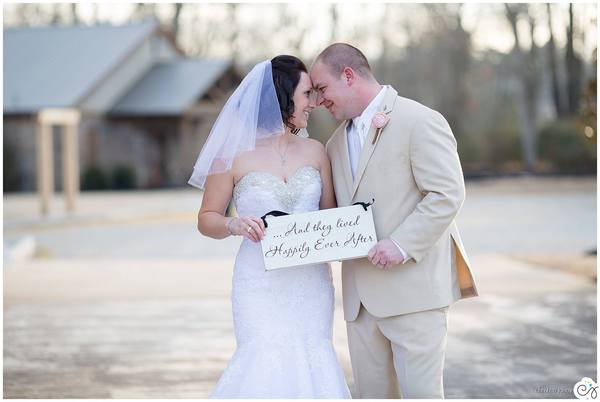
point(319, 236)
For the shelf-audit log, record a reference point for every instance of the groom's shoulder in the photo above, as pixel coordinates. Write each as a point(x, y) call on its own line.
point(415, 114)
point(413, 108)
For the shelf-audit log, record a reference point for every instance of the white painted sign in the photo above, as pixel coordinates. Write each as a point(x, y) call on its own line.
point(320, 236)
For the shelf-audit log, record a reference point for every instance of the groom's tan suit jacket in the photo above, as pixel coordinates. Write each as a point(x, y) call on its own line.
point(413, 172)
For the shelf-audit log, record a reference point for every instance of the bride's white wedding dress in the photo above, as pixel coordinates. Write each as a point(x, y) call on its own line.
point(283, 318)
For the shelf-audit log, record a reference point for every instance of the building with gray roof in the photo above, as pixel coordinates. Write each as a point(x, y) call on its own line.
point(145, 107)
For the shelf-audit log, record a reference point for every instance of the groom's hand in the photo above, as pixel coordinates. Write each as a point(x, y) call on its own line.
point(385, 254)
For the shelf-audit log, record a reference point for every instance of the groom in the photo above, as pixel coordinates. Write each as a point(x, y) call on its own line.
point(403, 155)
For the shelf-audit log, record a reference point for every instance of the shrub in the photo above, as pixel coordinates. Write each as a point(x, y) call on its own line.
point(123, 177)
point(12, 174)
point(94, 178)
point(563, 145)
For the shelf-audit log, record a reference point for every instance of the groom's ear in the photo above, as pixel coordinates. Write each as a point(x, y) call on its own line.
point(348, 75)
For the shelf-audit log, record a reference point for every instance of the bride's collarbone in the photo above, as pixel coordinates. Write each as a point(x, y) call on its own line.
point(284, 173)
point(264, 159)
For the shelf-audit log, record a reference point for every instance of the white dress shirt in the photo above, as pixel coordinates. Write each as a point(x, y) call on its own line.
point(357, 131)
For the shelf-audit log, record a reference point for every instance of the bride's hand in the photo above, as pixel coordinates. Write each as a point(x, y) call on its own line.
point(250, 227)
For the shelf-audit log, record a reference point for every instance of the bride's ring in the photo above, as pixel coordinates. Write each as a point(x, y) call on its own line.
point(249, 229)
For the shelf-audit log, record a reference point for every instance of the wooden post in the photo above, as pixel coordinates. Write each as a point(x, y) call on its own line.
point(69, 119)
point(70, 165)
point(45, 165)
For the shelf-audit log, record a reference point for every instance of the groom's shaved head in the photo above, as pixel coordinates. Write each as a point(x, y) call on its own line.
point(343, 80)
point(341, 55)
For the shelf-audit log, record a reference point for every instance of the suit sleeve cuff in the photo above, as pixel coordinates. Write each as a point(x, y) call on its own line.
point(404, 253)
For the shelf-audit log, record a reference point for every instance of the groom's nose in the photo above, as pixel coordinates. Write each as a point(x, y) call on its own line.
point(320, 99)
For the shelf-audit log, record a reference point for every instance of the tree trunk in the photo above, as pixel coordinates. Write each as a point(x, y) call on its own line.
point(74, 17)
point(175, 21)
point(334, 22)
point(574, 69)
point(526, 94)
point(56, 14)
point(557, 93)
point(460, 57)
point(384, 59)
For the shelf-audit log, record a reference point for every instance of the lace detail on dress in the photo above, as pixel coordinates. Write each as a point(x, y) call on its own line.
point(290, 196)
point(283, 319)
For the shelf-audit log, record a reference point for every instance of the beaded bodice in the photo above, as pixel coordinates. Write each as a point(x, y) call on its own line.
point(259, 192)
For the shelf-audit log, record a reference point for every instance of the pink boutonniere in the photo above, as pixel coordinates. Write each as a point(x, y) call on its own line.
point(380, 119)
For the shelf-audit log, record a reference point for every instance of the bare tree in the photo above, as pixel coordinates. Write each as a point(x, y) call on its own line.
point(234, 32)
point(360, 32)
point(56, 12)
point(205, 33)
point(574, 68)
point(144, 11)
point(451, 59)
point(290, 31)
point(74, 16)
point(557, 92)
point(333, 13)
point(175, 22)
point(525, 70)
point(23, 14)
point(384, 61)
point(297, 35)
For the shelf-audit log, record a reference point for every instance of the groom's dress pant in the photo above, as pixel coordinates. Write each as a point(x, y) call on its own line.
point(400, 356)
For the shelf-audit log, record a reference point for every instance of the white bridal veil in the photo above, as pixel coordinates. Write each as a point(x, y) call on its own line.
point(251, 113)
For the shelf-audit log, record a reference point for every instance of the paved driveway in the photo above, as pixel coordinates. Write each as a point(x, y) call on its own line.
point(127, 300)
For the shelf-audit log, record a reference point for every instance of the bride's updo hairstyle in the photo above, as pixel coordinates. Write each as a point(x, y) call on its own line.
point(286, 75)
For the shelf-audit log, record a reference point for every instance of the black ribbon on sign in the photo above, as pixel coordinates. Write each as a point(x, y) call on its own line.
point(280, 213)
point(272, 213)
point(365, 204)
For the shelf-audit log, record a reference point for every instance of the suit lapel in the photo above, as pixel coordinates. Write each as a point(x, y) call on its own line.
point(346, 158)
point(367, 150)
point(340, 147)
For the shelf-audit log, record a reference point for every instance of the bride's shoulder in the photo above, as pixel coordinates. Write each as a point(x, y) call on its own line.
point(314, 150)
point(311, 143)
point(246, 159)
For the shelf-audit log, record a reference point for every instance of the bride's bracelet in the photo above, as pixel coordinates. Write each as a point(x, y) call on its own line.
point(228, 225)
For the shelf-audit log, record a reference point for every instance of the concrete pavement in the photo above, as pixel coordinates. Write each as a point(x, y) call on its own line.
point(136, 329)
point(126, 300)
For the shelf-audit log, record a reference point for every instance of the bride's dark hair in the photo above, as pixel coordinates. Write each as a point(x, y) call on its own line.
point(286, 75)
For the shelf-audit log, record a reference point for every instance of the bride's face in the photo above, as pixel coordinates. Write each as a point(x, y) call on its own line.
point(304, 101)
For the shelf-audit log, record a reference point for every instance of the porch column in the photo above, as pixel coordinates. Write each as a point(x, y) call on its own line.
point(45, 165)
point(68, 119)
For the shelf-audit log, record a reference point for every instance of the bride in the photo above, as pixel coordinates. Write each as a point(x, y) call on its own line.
point(255, 155)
